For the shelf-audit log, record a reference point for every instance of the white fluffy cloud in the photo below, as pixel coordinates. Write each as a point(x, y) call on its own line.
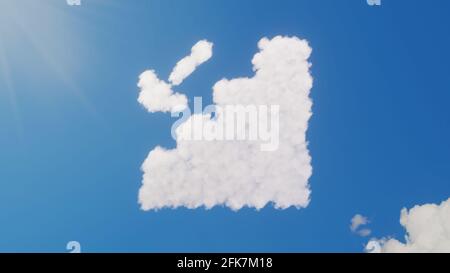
point(427, 230)
point(237, 173)
point(200, 53)
point(157, 95)
point(358, 221)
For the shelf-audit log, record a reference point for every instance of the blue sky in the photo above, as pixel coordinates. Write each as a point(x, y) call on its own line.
point(73, 136)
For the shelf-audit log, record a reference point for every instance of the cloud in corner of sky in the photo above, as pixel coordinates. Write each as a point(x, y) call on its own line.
point(200, 53)
point(237, 173)
point(358, 221)
point(427, 230)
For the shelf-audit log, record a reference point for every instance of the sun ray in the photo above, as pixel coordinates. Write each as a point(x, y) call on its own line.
point(59, 68)
point(6, 76)
point(45, 26)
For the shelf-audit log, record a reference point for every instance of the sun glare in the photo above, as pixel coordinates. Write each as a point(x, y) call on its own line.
point(42, 30)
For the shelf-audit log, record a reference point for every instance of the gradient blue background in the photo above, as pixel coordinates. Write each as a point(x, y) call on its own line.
point(73, 137)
